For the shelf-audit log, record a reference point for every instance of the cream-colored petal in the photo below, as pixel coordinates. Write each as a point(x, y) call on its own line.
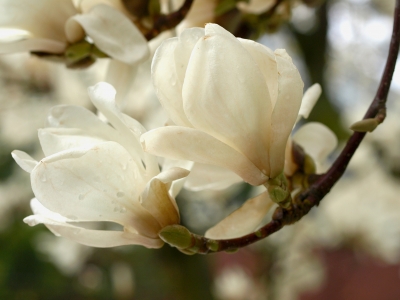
point(114, 34)
point(266, 62)
point(54, 140)
point(105, 239)
point(165, 80)
point(101, 183)
point(74, 31)
point(158, 202)
point(225, 95)
point(243, 220)
point(24, 160)
point(121, 76)
point(103, 97)
point(23, 44)
point(62, 226)
point(186, 42)
point(309, 100)
point(286, 109)
point(184, 143)
point(209, 177)
point(44, 19)
point(317, 140)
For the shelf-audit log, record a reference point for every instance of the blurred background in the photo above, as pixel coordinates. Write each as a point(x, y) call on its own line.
point(347, 248)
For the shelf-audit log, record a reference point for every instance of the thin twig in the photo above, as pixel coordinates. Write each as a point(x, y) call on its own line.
point(165, 22)
point(325, 182)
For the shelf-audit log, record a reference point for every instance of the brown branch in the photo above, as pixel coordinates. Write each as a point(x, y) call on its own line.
point(323, 184)
point(165, 22)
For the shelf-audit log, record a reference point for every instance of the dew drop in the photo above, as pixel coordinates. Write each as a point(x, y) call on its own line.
point(81, 196)
point(120, 194)
point(122, 210)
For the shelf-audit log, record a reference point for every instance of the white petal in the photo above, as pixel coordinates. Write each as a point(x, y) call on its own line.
point(25, 161)
point(97, 184)
point(184, 143)
point(225, 95)
point(114, 34)
point(45, 19)
point(23, 44)
point(286, 109)
point(103, 97)
point(243, 220)
point(105, 239)
point(121, 75)
point(265, 60)
point(165, 80)
point(310, 98)
point(186, 42)
point(158, 202)
point(97, 238)
point(54, 140)
point(317, 140)
point(210, 177)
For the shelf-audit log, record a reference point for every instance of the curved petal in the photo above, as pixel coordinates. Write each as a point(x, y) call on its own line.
point(225, 95)
point(309, 100)
point(101, 183)
point(158, 202)
point(286, 109)
point(113, 33)
point(44, 19)
point(54, 140)
point(184, 143)
point(25, 44)
point(266, 62)
point(121, 75)
point(96, 238)
point(103, 97)
point(243, 220)
point(317, 140)
point(165, 80)
point(210, 177)
point(24, 160)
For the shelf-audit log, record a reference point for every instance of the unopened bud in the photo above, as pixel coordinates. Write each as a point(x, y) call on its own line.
point(366, 125)
point(177, 236)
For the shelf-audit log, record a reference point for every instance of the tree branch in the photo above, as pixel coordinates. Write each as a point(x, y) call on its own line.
point(323, 184)
point(165, 22)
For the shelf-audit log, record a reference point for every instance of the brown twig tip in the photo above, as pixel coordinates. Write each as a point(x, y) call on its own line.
point(165, 22)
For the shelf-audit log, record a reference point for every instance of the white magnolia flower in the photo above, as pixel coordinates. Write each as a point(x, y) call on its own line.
point(95, 172)
point(234, 102)
point(51, 25)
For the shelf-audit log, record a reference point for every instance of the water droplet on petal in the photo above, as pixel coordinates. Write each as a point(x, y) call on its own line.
point(120, 194)
point(81, 196)
point(122, 210)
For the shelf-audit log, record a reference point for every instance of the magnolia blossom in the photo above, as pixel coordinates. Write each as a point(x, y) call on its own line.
point(97, 173)
point(234, 102)
point(51, 25)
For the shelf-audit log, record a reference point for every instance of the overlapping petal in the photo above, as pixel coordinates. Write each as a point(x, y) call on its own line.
point(243, 220)
point(184, 143)
point(96, 184)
